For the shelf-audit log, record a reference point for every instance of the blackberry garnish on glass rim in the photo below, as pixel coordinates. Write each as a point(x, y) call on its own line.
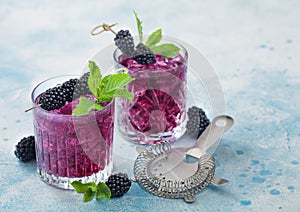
point(53, 98)
point(143, 55)
point(68, 88)
point(56, 97)
point(81, 86)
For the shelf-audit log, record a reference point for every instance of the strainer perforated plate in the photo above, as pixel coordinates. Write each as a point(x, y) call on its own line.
point(168, 173)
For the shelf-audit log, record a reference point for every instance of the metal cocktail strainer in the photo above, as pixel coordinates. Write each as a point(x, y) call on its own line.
point(181, 172)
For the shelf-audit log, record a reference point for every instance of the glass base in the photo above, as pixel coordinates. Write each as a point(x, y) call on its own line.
point(65, 182)
point(148, 139)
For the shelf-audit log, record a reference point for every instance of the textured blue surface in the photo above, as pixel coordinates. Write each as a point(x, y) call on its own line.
point(255, 49)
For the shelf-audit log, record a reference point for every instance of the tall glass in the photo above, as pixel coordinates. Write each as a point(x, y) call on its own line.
point(158, 111)
point(72, 148)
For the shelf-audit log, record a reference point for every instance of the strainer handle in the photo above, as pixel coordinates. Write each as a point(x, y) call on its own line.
point(211, 135)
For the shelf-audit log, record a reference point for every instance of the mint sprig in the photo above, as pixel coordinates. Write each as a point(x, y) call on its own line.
point(103, 191)
point(85, 106)
point(94, 80)
point(112, 86)
point(154, 38)
point(104, 89)
point(167, 50)
point(89, 190)
point(139, 26)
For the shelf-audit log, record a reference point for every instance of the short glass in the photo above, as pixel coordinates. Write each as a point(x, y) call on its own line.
point(158, 111)
point(72, 148)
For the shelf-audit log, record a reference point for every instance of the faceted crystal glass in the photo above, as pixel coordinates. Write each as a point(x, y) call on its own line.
point(72, 148)
point(158, 111)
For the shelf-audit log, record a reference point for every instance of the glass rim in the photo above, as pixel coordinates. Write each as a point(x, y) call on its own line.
point(36, 107)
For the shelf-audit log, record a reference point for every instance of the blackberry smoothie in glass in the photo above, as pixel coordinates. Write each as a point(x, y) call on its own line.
point(158, 111)
point(70, 148)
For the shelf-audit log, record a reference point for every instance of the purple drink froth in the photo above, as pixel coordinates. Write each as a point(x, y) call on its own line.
point(159, 90)
point(69, 146)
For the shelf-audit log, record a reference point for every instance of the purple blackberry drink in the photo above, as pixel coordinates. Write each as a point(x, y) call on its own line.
point(159, 108)
point(72, 148)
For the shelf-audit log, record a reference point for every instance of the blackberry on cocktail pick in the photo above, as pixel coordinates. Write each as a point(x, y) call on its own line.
point(197, 121)
point(53, 98)
point(118, 184)
point(81, 86)
point(68, 89)
point(56, 97)
point(143, 55)
point(124, 41)
point(25, 149)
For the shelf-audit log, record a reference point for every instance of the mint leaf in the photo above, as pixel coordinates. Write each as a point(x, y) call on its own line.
point(103, 191)
point(85, 106)
point(92, 186)
point(89, 195)
point(154, 38)
point(139, 26)
point(106, 97)
point(104, 89)
point(124, 93)
point(95, 77)
point(166, 50)
point(116, 81)
point(79, 187)
point(90, 189)
point(111, 84)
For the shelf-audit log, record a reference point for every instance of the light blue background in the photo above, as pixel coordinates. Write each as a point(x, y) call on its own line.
point(254, 48)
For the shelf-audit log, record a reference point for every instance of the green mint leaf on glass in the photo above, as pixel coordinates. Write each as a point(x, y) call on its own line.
point(104, 89)
point(85, 106)
point(139, 26)
point(103, 191)
point(167, 50)
point(116, 81)
point(124, 93)
point(111, 86)
point(94, 80)
point(154, 38)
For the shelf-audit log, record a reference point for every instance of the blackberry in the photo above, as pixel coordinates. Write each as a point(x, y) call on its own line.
point(124, 41)
point(118, 184)
point(68, 89)
point(81, 86)
point(197, 122)
point(53, 98)
point(25, 149)
point(143, 55)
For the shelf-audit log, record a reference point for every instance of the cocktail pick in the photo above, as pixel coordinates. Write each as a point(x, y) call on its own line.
point(105, 27)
